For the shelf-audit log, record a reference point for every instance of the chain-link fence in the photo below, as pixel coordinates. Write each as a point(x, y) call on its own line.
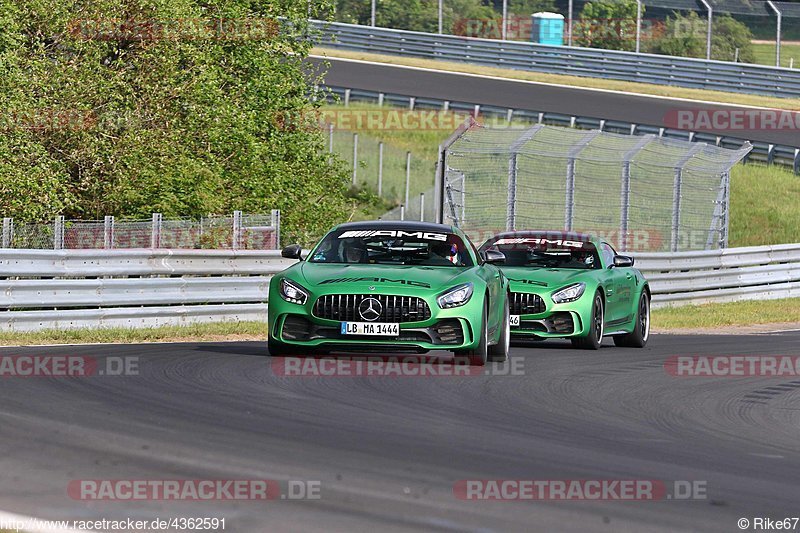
point(238, 232)
point(638, 192)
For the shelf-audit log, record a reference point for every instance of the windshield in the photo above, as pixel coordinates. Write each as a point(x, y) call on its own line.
point(540, 252)
point(393, 247)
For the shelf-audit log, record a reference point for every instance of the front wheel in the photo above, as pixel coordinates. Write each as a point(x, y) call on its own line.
point(641, 327)
point(594, 339)
point(480, 354)
point(499, 352)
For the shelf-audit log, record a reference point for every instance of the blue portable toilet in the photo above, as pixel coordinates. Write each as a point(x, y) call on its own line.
point(548, 28)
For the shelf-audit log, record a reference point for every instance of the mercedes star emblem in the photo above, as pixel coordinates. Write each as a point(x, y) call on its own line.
point(370, 309)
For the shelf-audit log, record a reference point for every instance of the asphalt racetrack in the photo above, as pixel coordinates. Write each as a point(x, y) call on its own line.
point(387, 451)
point(514, 94)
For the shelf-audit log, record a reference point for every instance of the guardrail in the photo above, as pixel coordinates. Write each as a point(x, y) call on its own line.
point(732, 274)
point(762, 151)
point(69, 289)
point(587, 62)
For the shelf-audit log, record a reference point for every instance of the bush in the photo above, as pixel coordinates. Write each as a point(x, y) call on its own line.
point(609, 24)
point(685, 36)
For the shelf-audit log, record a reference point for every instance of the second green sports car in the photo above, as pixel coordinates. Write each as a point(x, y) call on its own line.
point(387, 286)
point(572, 285)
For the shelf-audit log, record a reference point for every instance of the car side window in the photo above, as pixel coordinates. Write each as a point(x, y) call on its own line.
point(608, 253)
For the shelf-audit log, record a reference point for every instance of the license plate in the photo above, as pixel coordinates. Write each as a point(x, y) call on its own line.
point(513, 320)
point(371, 328)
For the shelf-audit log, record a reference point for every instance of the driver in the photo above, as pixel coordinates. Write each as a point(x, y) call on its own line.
point(581, 259)
point(354, 251)
point(444, 253)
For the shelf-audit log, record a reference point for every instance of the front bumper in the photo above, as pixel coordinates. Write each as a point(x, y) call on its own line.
point(439, 329)
point(446, 333)
point(539, 316)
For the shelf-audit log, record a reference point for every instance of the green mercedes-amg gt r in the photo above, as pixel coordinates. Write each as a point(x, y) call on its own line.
point(572, 285)
point(391, 286)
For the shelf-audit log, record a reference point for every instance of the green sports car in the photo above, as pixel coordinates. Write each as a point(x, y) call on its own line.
point(391, 286)
point(572, 285)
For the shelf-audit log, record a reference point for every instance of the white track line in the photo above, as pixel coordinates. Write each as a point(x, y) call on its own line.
point(558, 85)
point(30, 524)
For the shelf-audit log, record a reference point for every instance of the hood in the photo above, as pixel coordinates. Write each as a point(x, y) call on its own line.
point(385, 278)
point(550, 278)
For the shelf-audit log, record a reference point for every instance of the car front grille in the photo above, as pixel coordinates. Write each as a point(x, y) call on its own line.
point(523, 303)
point(344, 307)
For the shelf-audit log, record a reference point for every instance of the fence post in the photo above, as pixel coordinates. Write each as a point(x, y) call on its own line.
point(779, 14)
point(726, 219)
point(380, 169)
point(8, 232)
point(676, 194)
point(625, 190)
point(511, 206)
point(276, 223)
point(355, 156)
point(569, 202)
point(108, 232)
point(330, 138)
point(422, 207)
point(638, 25)
point(402, 212)
point(504, 31)
point(237, 230)
point(155, 231)
point(709, 33)
point(58, 233)
point(408, 176)
point(569, 23)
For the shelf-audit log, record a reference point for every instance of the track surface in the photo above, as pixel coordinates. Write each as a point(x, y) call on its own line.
point(387, 450)
point(571, 101)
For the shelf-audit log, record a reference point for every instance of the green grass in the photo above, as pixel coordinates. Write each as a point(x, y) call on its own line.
point(595, 83)
point(743, 313)
point(765, 205)
point(217, 331)
point(765, 54)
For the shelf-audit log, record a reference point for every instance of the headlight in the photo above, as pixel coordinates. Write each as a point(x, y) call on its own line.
point(455, 297)
point(292, 292)
point(569, 294)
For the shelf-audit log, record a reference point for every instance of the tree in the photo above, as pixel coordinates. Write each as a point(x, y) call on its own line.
point(685, 36)
point(609, 24)
point(130, 106)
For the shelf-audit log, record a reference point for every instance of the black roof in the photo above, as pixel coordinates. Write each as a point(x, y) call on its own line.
point(405, 225)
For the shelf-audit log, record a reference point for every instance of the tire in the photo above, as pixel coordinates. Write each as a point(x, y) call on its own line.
point(479, 355)
point(498, 353)
point(594, 339)
point(641, 329)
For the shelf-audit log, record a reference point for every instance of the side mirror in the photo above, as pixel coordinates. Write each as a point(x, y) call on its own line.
point(623, 261)
point(493, 257)
point(292, 251)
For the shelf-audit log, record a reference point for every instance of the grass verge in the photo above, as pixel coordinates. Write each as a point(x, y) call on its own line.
point(765, 54)
point(765, 205)
point(217, 331)
point(745, 313)
point(590, 83)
